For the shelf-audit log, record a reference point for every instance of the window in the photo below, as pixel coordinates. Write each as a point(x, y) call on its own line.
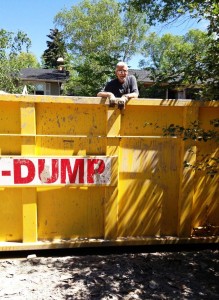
point(43, 89)
point(39, 89)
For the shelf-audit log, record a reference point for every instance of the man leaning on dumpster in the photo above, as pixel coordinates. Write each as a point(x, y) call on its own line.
point(124, 87)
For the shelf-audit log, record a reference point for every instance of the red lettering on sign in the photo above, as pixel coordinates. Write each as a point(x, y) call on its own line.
point(72, 175)
point(94, 167)
point(6, 173)
point(44, 171)
point(18, 163)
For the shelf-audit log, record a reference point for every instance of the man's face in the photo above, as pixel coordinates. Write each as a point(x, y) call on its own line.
point(121, 73)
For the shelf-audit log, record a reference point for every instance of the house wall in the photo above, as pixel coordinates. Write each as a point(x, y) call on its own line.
point(54, 89)
point(46, 88)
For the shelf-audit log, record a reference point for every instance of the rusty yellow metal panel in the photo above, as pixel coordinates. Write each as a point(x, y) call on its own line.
point(11, 215)
point(29, 195)
point(27, 116)
point(6, 143)
point(69, 146)
point(186, 189)
point(113, 122)
point(64, 129)
point(74, 212)
point(29, 212)
point(65, 119)
point(145, 120)
point(206, 115)
point(147, 204)
point(111, 193)
point(10, 128)
point(111, 204)
point(151, 198)
point(28, 128)
point(206, 187)
point(70, 213)
point(10, 118)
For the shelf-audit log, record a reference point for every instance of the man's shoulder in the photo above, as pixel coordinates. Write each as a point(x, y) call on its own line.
point(131, 77)
point(112, 81)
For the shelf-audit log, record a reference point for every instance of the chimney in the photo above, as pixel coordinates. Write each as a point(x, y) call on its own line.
point(60, 64)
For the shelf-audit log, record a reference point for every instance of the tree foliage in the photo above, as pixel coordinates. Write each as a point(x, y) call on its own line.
point(209, 162)
point(169, 10)
point(14, 55)
point(87, 28)
point(27, 60)
point(176, 59)
point(55, 49)
point(95, 70)
point(204, 68)
point(96, 33)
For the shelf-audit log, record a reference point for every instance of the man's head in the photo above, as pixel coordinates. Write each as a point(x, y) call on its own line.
point(121, 71)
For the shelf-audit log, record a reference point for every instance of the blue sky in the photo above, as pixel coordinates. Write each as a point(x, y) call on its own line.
point(35, 18)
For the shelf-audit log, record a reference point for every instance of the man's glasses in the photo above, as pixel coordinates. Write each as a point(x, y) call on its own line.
point(122, 71)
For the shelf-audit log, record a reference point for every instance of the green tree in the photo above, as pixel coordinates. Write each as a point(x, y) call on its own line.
point(206, 68)
point(27, 60)
point(176, 59)
point(88, 28)
point(98, 34)
point(95, 70)
point(11, 47)
point(55, 50)
point(170, 10)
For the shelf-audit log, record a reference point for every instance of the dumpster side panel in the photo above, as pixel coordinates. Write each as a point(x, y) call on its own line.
point(158, 189)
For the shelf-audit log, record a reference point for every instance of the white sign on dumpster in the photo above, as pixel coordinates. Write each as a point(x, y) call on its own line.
point(16, 171)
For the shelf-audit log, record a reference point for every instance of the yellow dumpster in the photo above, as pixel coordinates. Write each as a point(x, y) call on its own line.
point(75, 172)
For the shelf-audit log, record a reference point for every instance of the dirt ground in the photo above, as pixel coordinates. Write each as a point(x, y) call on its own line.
point(128, 276)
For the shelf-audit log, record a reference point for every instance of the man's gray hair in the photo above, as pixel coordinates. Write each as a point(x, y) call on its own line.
point(122, 64)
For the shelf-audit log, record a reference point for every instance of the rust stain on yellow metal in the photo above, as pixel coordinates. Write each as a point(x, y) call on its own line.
point(151, 194)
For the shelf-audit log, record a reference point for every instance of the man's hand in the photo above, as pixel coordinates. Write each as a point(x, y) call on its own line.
point(122, 102)
point(112, 100)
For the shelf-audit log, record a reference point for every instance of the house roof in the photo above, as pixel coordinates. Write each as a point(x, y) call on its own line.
point(141, 75)
point(48, 75)
point(53, 75)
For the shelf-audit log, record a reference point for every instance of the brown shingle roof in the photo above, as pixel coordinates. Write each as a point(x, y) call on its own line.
point(48, 75)
point(141, 75)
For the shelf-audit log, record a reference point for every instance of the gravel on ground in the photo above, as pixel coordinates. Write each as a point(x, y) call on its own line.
point(127, 276)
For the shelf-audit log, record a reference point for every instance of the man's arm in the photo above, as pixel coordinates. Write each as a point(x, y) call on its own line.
point(106, 95)
point(130, 95)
